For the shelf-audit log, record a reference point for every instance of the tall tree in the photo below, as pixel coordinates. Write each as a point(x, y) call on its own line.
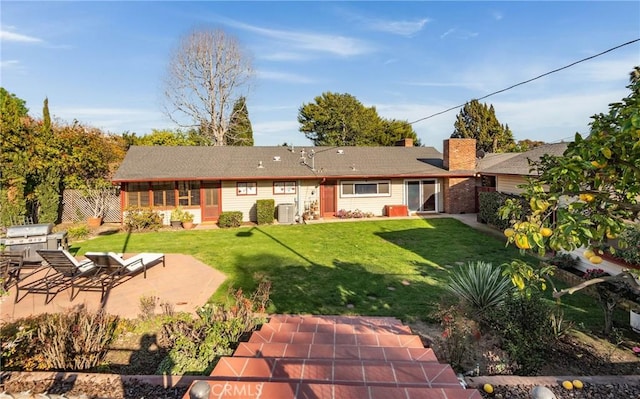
point(395, 130)
point(342, 120)
point(206, 75)
point(479, 121)
point(16, 128)
point(46, 193)
point(46, 117)
point(87, 154)
point(240, 129)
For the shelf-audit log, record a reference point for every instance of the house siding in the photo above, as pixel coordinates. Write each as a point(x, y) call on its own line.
point(305, 191)
point(509, 184)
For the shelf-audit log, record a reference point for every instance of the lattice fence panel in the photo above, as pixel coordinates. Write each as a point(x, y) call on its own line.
point(75, 207)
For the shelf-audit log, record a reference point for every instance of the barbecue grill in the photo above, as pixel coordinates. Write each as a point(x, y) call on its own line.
point(29, 238)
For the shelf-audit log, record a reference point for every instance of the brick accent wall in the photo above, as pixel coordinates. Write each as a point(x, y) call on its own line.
point(459, 195)
point(459, 192)
point(459, 154)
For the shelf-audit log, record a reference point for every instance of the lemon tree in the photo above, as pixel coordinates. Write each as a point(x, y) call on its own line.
point(587, 195)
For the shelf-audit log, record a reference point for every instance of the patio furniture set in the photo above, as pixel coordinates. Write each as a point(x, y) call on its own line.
point(60, 270)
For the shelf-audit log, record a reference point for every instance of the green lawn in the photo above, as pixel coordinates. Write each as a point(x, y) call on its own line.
point(322, 268)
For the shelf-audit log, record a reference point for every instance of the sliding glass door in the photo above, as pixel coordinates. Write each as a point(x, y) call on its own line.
point(422, 195)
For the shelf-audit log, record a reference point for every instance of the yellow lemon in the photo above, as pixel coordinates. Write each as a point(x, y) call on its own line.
point(588, 253)
point(595, 259)
point(509, 232)
point(567, 385)
point(488, 388)
point(546, 232)
point(610, 235)
point(598, 165)
point(577, 384)
point(522, 241)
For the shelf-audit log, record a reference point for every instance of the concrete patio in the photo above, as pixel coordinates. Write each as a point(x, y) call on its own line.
point(184, 282)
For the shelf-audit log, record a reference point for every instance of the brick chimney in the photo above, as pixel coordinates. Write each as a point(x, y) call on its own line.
point(459, 154)
point(459, 191)
point(406, 142)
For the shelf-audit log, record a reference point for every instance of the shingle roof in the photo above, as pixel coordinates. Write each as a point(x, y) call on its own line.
point(518, 164)
point(144, 163)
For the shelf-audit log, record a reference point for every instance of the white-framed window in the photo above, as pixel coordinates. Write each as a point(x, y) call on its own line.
point(284, 187)
point(365, 188)
point(247, 188)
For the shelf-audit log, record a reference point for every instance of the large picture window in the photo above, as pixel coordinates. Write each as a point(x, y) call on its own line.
point(365, 189)
point(247, 188)
point(284, 187)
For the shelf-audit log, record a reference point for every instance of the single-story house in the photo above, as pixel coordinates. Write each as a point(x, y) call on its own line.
point(323, 180)
point(504, 172)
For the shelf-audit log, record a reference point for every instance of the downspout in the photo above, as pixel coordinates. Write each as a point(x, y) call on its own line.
point(298, 191)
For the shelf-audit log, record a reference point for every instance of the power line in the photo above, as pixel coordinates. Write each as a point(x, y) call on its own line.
point(528, 81)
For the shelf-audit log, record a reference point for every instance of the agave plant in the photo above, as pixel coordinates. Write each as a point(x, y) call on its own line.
point(480, 284)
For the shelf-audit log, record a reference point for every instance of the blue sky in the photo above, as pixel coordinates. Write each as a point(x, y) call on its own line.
point(103, 62)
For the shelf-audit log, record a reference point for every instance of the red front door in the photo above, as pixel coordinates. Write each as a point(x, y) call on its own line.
point(328, 198)
point(211, 202)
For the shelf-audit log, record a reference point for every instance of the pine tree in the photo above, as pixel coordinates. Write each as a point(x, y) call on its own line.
point(479, 121)
point(240, 132)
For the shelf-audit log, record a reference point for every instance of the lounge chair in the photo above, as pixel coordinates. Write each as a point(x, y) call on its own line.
point(10, 266)
point(63, 271)
point(111, 262)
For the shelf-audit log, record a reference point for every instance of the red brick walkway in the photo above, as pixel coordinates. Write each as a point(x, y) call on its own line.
point(334, 357)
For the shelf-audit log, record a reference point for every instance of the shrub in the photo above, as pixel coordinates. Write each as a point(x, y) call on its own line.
point(357, 214)
point(148, 306)
point(266, 209)
point(76, 340)
point(140, 219)
point(78, 232)
point(489, 204)
point(21, 346)
point(458, 336)
point(196, 345)
point(524, 325)
point(230, 219)
point(480, 284)
point(564, 261)
point(631, 237)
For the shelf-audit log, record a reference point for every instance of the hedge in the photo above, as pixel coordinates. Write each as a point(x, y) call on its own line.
point(266, 210)
point(230, 219)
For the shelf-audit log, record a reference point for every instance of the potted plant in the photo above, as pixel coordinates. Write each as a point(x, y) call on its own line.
point(96, 194)
point(176, 217)
point(187, 220)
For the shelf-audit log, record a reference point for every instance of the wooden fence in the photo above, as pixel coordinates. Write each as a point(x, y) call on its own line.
point(75, 207)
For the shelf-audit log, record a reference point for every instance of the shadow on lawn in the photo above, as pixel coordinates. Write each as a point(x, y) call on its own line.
point(337, 288)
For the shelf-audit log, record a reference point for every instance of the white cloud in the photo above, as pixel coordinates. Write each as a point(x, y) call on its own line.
point(271, 127)
point(497, 15)
point(9, 64)
point(18, 37)
point(282, 56)
point(318, 42)
point(402, 28)
point(554, 118)
point(114, 120)
point(284, 77)
point(459, 34)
